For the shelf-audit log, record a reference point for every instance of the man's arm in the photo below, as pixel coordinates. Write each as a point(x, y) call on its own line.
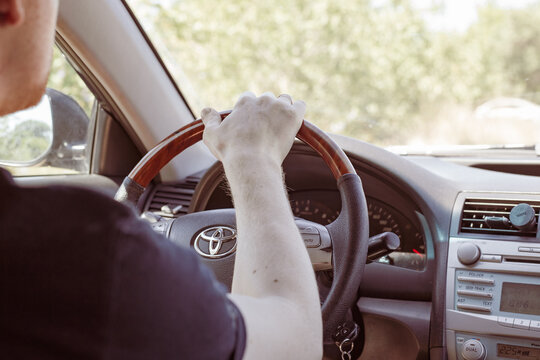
point(274, 284)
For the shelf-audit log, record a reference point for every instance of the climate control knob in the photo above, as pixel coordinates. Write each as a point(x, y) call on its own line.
point(473, 350)
point(468, 253)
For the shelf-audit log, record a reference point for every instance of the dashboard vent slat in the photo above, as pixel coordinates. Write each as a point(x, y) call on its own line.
point(475, 210)
point(173, 195)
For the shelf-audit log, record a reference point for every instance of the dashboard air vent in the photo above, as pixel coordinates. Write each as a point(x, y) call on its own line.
point(172, 200)
point(476, 210)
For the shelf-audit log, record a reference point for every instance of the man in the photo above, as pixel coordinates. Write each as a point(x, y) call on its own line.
point(82, 277)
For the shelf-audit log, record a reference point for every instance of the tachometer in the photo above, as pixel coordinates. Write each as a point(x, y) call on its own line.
point(383, 218)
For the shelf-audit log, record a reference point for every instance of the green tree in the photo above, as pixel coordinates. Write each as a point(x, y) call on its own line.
point(63, 78)
point(26, 142)
point(375, 70)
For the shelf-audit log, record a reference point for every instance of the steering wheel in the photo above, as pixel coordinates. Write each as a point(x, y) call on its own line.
point(341, 245)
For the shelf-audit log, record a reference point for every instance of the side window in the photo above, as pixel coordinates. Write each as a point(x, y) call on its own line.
point(50, 138)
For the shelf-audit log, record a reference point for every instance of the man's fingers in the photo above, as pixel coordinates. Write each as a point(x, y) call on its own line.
point(286, 98)
point(300, 108)
point(266, 98)
point(210, 117)
point(245, 97)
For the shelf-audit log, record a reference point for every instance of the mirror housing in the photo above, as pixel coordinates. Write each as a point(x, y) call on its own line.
point(55, 132)
point(70, 133)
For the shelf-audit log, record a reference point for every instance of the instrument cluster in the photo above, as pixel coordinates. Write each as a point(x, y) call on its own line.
point(323, 207)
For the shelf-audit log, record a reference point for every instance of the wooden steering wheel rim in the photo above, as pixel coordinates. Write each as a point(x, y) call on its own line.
point(151, 164)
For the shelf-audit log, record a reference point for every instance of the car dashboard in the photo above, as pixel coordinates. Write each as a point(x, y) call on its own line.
point(414, 302)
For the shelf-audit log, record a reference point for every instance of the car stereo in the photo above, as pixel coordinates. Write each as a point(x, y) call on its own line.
point(493, 299)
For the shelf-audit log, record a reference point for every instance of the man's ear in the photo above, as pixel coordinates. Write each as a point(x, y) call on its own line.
point(11, 12)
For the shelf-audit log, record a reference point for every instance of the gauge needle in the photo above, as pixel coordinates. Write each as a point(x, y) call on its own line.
point(416, 251)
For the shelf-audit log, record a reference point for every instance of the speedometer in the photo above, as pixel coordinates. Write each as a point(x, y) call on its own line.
point(314, 211)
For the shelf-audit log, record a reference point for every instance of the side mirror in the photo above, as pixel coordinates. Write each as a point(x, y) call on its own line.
point(70, 133)
point(50, 134)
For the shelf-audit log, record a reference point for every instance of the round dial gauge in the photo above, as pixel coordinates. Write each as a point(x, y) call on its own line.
point(314, 211)
point(382, 218)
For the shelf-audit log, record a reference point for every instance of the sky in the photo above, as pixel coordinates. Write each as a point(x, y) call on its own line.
point(458, 15)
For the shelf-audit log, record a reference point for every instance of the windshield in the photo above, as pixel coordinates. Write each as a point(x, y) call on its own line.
point(411, 72)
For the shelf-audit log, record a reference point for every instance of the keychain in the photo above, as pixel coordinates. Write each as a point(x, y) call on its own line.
point(345, 337)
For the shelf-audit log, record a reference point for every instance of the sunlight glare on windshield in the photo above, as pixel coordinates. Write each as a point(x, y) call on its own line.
point(408, 72)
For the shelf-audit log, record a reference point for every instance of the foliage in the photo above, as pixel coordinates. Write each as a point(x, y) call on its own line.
point(375, 70)
point(63, 78)
point(27, 141)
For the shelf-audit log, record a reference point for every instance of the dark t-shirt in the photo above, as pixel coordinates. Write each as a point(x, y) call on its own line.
point(81, 277)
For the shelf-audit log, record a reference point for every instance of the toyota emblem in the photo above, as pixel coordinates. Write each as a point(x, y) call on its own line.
point(216, 242)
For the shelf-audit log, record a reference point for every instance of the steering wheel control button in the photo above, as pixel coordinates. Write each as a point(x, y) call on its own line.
point(473, 350)
point(476, 280)
point(475, 294)
point(535, 325)
point(468, 307)
point(311, 241)
point(522, 324)
point(150, 217)
point(468, 253)
point(308, 230)
point(491, 258)
point(523, 217)
point(159, 226)
point(505, 321)
point(310, 234)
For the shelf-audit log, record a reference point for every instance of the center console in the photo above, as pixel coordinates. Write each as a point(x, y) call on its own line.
point(493, 278)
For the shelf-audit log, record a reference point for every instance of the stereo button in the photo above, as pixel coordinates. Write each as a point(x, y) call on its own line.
point(522, 324)
point(535, 325)
point(525, 249)
point(491, 258)
point(473, 308)
point(476, 280)
point(536, 250)
point(505, 321)
point(468, 253)
point(475, 294)
point(473, 349)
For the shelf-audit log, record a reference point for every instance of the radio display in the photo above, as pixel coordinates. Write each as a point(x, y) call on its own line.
point(517, 352)
point(520, 298)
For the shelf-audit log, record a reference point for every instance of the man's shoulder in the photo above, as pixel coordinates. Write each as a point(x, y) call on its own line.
point(62, 200)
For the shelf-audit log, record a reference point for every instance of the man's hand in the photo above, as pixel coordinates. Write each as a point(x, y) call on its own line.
point(263, 127)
